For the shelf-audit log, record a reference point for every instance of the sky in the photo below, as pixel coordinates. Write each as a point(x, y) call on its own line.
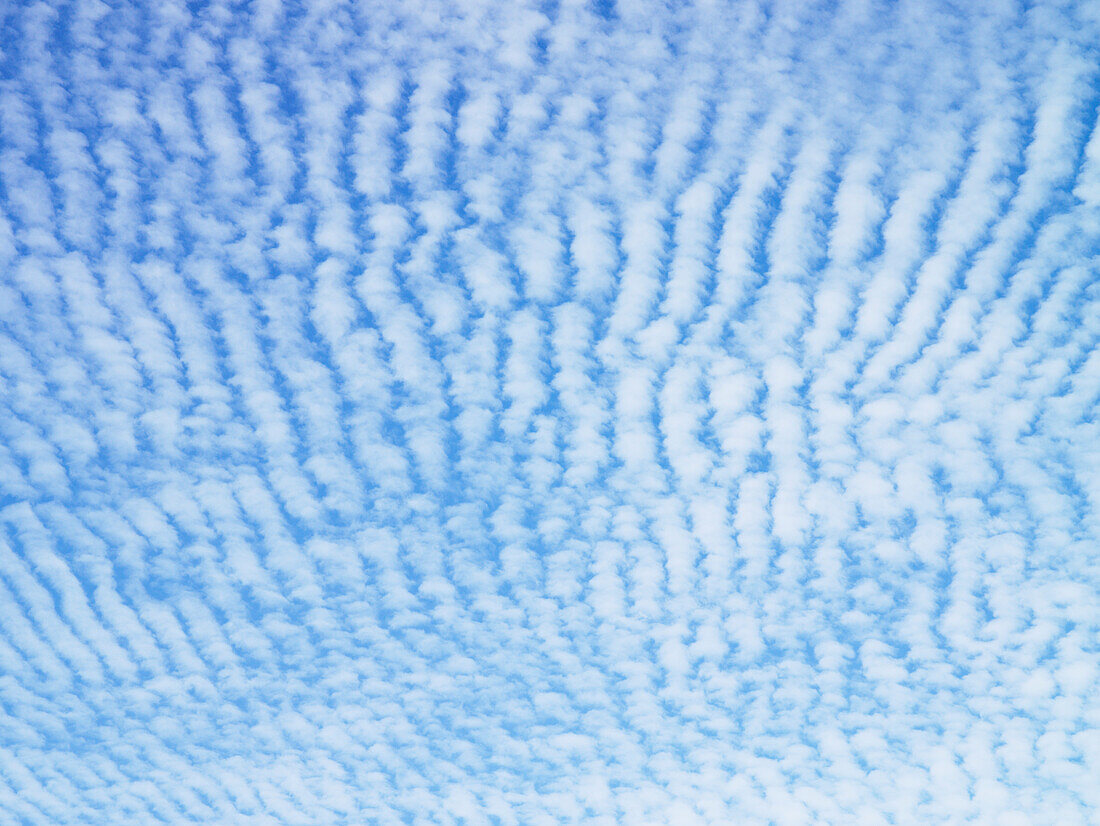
point(529, 413)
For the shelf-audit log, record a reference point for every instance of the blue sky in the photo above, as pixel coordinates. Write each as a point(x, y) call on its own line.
point(498, 413)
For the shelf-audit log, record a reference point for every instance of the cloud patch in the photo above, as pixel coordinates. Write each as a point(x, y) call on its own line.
point(523, 414)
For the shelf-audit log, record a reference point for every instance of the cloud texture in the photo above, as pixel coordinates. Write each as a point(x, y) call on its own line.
point(549, 413)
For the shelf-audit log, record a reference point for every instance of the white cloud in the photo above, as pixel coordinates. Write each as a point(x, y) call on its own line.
point(601, 413)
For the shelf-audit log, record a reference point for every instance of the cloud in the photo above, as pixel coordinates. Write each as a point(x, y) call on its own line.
point(597, 413)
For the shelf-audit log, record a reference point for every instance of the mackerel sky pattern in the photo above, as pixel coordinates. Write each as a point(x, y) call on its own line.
point(528, 413)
